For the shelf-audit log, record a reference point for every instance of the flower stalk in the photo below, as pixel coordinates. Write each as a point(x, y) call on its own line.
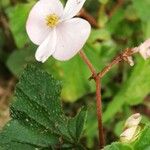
point(97, 79)
point(99, 112)
point(126, 56)
point(88, 63)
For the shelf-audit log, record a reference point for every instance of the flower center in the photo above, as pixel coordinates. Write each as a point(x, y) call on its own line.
point(52, 20)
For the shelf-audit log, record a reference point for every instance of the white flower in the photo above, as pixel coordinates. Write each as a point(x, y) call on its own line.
point(144, 49)
point(56, 31)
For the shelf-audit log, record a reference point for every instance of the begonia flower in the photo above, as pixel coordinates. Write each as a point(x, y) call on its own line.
point(56, 29)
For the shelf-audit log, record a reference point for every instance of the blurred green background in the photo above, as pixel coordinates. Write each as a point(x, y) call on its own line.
point(117, 24)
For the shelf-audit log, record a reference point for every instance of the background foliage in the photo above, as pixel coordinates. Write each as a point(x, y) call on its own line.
point(122, 24)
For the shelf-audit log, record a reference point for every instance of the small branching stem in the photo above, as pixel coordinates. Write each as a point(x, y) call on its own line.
point(109, 66)
point(98, 97)
point(84, 14)
point(121, 57)
point(99, 112)
point(97, 78)
point(88, 63)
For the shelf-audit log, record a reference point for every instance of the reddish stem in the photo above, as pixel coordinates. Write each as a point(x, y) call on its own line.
point(84, 14)
point(121, 57)
point(99, 112)
point(98, 97)
point(97, 77)
point(88, 63)
point(109, 66)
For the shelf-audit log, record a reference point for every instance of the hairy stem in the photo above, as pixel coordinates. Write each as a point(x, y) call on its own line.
point(98, 97)
point(99, 112)
point(88, 63)
point(84, 14)
point(121, 57)
point(109, 66)
point(124, 56)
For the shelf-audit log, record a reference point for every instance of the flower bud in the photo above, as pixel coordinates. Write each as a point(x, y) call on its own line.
point(128, 134)
point(130, 60)
point(131, 129)
point(133, 120)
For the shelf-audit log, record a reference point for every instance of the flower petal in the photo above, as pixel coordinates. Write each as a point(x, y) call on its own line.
point(47, 48)
point(36, 24)
point(72, 8)
point(71, 37)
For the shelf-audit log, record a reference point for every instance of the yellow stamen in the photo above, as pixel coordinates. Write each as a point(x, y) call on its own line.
point(52, 20)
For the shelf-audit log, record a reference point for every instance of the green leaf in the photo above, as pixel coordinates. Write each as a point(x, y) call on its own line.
point(130, 13)
point(103, 1)
point(91, 125)
point(4, 3)
point(143, 143)
point(37, 116)
point(19, 59)
point(114, 23)
point(17, 146)
point(99, 34)
point(142, 8)
point(76, 125)
point(146, 29)
point(118, 146)
point(17, 21)
point(17, 132)
point(135, 88)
